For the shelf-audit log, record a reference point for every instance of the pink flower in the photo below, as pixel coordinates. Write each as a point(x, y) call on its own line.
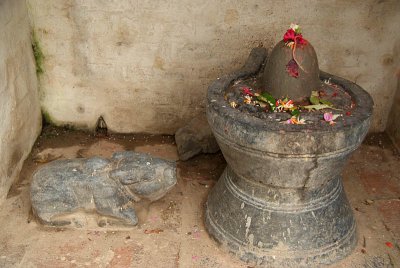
point(328, 117)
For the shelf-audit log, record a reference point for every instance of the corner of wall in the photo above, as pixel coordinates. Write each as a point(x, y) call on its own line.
point(393, 122)
point(19, 99)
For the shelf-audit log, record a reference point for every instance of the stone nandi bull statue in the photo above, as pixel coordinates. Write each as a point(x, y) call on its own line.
point(64, 187)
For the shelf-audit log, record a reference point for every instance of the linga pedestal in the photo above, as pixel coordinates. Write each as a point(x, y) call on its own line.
point(280, 202)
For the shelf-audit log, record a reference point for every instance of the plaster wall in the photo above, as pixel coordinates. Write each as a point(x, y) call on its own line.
point(145, 65)
point(393, 124)
point(19, 102)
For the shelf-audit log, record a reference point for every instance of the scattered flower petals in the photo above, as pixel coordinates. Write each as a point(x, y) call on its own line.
point(247, 99)
point(330, 117)
point(390, 245)
point(247, 91)
point(294, 120)
point(233, 104)
point(195, 257)
point(283, 105)
point(292, 68)
point(348, 113)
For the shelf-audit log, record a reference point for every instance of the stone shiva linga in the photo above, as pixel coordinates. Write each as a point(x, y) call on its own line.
point(63, 188)
point(286, 131)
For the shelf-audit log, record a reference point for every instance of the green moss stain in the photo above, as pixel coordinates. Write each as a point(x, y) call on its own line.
point(46, 118)
point(37, 53)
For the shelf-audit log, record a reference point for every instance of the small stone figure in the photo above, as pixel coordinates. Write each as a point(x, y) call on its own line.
point(195, 138)
point(64, 187)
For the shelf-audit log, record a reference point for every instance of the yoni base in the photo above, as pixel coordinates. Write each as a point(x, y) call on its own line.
point(317, 230)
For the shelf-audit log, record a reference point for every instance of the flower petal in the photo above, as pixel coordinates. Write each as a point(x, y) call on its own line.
point(328, 117)
point(292, 68)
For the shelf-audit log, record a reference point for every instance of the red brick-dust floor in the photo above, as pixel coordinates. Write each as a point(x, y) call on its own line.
point(171, 231)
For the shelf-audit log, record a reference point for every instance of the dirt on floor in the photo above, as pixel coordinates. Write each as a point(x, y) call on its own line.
point(171, 230)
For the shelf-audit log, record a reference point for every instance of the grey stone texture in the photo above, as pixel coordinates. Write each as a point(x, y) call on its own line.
point(194, 138)
point(64, 187)
point(280, 84)
point(280, 202)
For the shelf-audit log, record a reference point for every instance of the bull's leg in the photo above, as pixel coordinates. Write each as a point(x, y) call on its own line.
point(112, 207)
point(48, 219)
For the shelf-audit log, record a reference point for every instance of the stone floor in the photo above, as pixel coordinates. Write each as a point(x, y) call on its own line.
point(171, 231)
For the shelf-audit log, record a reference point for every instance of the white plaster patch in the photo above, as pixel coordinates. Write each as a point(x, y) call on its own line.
point(248, 223)
point(251, 239)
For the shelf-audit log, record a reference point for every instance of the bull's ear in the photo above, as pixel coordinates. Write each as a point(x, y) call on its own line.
point(124, 176)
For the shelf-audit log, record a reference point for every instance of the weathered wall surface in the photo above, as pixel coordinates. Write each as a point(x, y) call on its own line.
point(145, 65)
point(19, 102)
point(393, 124)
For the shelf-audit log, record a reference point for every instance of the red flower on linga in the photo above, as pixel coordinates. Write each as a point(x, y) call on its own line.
point(292, 68)
point(289, 35)
point(292, 36)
